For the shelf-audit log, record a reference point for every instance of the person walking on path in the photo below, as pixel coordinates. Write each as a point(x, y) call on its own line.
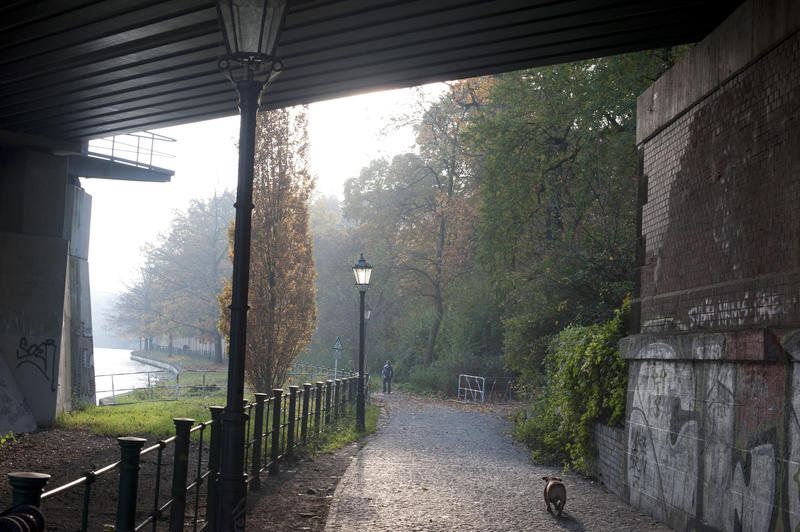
point(387, 373)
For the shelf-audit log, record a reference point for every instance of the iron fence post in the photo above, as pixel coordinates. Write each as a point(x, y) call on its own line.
point(258, 433)
point(213, 465)
point(317, 407)
point(274, 449)
point(246, 443)
point(337, 390)
point(328, 385)
point(180, 471)
point(304, 426)
point(130, 447)
point(27, 487)
point(290, 428)
point(345, 385)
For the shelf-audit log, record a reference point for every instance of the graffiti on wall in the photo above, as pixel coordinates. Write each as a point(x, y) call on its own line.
point(663, 429)
point(760, 307)
point(713, 444)
point(41, 356)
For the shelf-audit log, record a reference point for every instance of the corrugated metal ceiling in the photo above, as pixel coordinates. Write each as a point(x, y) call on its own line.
point(82, 69)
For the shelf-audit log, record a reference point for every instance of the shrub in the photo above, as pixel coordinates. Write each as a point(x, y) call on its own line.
point(432, 380)
point(8, 438)
point(586, 382)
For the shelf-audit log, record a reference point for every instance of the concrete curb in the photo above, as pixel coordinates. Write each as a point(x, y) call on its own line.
point(156, 363)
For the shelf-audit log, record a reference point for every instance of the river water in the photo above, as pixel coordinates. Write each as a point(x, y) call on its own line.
point(118, 362)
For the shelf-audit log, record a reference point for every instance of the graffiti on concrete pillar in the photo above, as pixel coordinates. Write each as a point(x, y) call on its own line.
point(41, 356)
point(662, 465)
point(705, 443)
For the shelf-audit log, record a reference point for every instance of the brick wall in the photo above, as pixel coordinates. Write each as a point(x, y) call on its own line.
point(721, 223)
point(713, 407)
point(611, 444)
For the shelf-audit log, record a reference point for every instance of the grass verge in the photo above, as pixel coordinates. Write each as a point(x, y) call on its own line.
point(345, 433)
point(152, 418)
point(155, 419)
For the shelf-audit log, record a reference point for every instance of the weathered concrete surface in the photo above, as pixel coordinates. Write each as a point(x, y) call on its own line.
point(45, 314)
point(442, 466)
point(15, 415)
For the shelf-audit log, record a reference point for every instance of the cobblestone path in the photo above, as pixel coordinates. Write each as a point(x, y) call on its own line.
point(436, 466)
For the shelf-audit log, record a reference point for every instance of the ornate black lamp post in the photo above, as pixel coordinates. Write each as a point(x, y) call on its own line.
point(251, 29)
point(362, 271)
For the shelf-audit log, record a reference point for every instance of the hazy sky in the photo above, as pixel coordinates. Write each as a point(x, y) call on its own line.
point(345, 135)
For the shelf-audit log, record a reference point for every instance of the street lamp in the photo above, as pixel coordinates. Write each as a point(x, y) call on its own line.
point(362, 271)
point(250, 29)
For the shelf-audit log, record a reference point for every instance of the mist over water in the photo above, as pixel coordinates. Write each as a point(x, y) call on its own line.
point(116, 361)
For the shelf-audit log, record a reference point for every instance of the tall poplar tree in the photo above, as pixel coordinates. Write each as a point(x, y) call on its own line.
point(282, 312)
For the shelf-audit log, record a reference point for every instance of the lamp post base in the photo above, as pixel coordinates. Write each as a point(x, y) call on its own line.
point(360, 409)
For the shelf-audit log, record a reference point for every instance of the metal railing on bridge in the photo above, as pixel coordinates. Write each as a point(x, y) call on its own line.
point(276, 427)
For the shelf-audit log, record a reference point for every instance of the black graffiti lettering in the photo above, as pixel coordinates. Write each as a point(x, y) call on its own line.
point(41, 356)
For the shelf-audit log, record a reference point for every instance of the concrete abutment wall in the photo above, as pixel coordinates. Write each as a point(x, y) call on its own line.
point(46, 353)
point(713, 437)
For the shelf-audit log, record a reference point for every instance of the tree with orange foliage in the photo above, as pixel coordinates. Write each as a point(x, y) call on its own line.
point(282, 312)
point(422, 209)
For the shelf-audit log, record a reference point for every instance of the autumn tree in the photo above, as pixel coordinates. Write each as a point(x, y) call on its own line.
point(334, 249)
point(558, 189)
point(182, 273)
point(137, 310)
point(192, 263)
point(422, 208)
point(282, 312)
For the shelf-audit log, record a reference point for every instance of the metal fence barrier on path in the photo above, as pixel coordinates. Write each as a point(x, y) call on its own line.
point(276, 427)
point(473, 389)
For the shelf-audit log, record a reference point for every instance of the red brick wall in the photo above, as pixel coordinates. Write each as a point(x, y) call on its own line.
point(721, 218)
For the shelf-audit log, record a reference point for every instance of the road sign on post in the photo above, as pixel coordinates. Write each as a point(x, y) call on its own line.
point(337, 354)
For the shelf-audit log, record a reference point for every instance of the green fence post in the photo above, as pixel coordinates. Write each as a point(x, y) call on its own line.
point(304, 426)
point(246, 408)
point(213, 464)
point(343, 407)
point(276, 431)
point(318, 408)
point(337, 391)
point(290, 427)
point(258, 434)
point(328, 386)
point(130, 448)
point(180, 469)
point(27, 487)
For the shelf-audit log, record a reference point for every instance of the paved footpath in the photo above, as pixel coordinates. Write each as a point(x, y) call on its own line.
point(439, 466)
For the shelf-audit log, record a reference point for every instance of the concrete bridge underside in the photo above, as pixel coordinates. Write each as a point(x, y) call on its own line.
point(712, 439)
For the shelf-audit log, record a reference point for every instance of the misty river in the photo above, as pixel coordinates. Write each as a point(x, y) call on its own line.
point(116, 361)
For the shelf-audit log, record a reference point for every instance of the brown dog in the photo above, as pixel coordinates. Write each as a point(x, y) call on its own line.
point(555, 492)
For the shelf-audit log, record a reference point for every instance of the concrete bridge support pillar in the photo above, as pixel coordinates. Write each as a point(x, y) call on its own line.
point(46, 357)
